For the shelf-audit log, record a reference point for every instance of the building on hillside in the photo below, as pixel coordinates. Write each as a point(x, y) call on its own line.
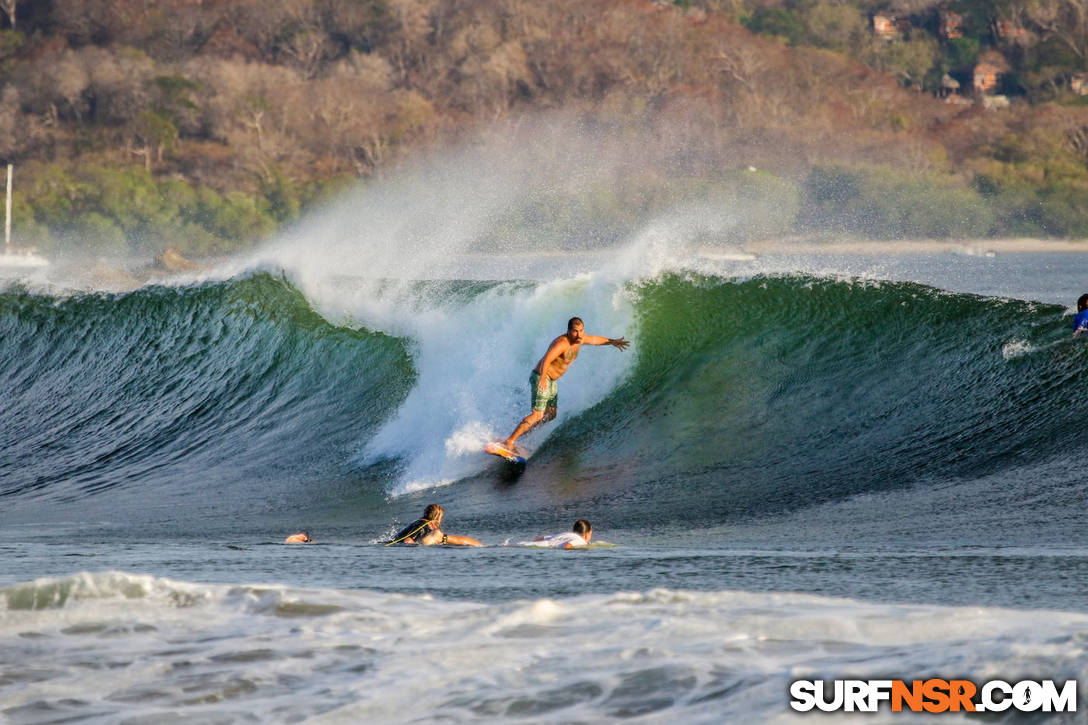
point(884, 26)
point(1009, 30)
point(949, 92)
point(989, 69)
point(949, 86)
point(888, 27)
point(949, 25)
point(1078, 83)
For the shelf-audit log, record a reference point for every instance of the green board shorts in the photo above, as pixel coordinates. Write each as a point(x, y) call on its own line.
point(549, 398)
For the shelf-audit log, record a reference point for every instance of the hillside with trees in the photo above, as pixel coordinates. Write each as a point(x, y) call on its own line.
point(136, 125)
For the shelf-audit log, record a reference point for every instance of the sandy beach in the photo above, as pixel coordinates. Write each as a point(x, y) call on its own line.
point(974, 247)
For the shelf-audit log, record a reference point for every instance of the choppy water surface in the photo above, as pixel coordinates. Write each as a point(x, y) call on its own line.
point(842, 467)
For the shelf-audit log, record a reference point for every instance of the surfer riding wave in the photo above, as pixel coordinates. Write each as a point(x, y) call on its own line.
point(542, 381)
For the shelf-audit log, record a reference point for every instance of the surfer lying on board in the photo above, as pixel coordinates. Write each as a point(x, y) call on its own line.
point(560, 354)
point(578, 536)
point(426, 531)
point(1080, 320)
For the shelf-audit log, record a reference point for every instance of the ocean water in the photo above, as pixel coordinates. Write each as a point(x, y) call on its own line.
point(803, 467)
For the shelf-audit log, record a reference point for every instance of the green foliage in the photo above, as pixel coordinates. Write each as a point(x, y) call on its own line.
point(137, 55)
point(108, 210)
point(82, 95)
point(282, 197)
point(910, 60)
point(156, 129)
point(885, 203)
point(1052, 53)
point(174, 86)
point(1011, 148)
point(777, 21)
point(1072, 100)
point(192, 239)
point(25, 228)
point(177, 90)
point(962, 53)
point(1033, 197)
point(180, 194)
point(50, 194)
point(97, 234)
point(978, 17)
point(130, 198)
point(234, 216)
point(358, 24)
point(835, 26)
point(10, 43)
point(315, 192)
point(1063, 210)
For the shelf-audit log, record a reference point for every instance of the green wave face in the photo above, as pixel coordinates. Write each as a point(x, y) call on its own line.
point(771, 393)
point(743, 396)
point(198, 387)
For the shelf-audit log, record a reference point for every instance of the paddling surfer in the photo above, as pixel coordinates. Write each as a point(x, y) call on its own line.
point(427, 531)
point(544, 392)
point(1080, 320)
point(578, 536)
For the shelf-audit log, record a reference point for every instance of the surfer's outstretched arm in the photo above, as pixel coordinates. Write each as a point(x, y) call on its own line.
point(617, 342)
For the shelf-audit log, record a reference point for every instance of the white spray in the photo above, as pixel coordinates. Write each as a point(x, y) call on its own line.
point(389, 258)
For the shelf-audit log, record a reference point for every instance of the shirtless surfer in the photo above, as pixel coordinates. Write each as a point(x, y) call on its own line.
point(560, 354)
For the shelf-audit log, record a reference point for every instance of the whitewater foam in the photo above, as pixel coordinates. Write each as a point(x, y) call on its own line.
point(125, 649)
point(1016, 348)
point(472, 359)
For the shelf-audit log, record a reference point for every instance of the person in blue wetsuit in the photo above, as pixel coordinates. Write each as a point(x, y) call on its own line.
point(1080, 320)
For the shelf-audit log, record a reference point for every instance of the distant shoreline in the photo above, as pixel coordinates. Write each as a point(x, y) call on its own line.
point(971, 247)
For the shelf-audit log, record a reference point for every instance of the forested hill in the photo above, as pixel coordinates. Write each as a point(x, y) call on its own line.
point(203, 124)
